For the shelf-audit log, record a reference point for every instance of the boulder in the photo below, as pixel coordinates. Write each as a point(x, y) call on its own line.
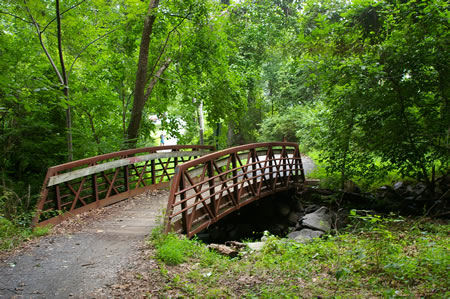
point(256, 246)
point(419, 188)
point(283, 209)
point(297, 204)
point(304, 235)
point(292, 218)
point(312, 208)
point(398, 186)
point(319, 220)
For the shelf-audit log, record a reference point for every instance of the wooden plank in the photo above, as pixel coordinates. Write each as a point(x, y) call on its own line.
point(68, 176)
point(102, 203)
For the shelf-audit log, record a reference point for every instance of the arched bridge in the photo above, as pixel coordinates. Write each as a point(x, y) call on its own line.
point(205, 186)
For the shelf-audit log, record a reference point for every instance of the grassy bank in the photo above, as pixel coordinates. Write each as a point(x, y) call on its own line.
point(373, 257)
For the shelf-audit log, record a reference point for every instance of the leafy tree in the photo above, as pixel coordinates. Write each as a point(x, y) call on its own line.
point(381, 71)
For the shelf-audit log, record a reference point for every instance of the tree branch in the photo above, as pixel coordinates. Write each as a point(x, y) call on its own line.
point(39, 33)
point(55, 18)
point(85, 47)
point(91, 123)
point(17, 17)
point(60, 50)
point(156, 77)
point(163, 49)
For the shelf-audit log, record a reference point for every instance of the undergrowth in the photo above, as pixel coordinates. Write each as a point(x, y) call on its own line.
point(374, 257)
point(332, 180)
point(15, 219)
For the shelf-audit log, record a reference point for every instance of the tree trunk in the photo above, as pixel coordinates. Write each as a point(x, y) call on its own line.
point(230, 134)
point(66, 85)
point(201, 122)
point(141, 77)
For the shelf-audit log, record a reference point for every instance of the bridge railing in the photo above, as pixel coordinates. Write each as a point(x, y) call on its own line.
point(208, 188)
point(82, 185)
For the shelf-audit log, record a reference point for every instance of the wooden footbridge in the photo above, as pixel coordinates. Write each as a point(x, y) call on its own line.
point(205, 186)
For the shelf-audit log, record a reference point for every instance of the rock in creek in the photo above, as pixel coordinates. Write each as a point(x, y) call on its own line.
point(292, 218)
point(304, 235)
point(319, 220)
point(283, 209)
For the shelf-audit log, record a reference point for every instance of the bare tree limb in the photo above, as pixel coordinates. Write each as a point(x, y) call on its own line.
point(55, 18)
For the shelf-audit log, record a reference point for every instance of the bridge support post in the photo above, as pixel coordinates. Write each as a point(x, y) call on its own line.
point(284, 161)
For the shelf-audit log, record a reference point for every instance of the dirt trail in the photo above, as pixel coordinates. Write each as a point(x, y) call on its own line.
point(75, 262)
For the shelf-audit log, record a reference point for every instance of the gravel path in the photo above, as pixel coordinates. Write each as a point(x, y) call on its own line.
point(75, 262)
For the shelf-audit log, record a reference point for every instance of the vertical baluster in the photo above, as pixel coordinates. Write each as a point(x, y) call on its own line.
point(211, 187)
point(125, 177)
point(271, 166)
point(235, 179)
point(254, 173)
point(184, 215)
point(153, 172)
point(95, 188)
point(58, 198)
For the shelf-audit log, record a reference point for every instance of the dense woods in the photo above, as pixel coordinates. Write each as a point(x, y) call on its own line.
point(364, 83)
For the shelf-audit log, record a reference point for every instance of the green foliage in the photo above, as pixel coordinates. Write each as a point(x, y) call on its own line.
point(15, 218)
point(373, 73)
point(13, 234)
point(15, 208)
point(333, 180)
point(363, 82)
point(374, 257)
point(297, 124)
point(10, 234)
point(173, 249)
point(377, 104)
point(41, 231)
